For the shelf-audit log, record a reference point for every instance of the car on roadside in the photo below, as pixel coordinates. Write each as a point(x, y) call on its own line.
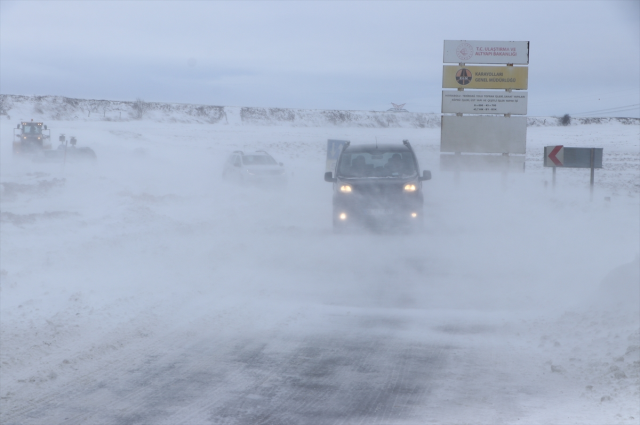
point(254, 168)
point(377, 186)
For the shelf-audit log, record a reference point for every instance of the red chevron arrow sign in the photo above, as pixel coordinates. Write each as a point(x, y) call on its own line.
point(554, 156)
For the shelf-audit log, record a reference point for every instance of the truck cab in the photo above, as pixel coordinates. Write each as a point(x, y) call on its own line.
point(31, 137)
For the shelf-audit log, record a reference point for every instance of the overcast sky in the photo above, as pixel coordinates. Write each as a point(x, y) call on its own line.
point(584, 55)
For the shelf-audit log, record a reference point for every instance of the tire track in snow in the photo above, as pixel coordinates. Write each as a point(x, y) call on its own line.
point(342, 378)
point(70, 402)
point(343, 374)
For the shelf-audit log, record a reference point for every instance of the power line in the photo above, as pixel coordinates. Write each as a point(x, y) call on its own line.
point(576, 99)
point(613, 113)
point(608, 110)
point(583, 101)
point(608, 113)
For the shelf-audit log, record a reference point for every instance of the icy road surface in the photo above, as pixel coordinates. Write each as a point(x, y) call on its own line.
point(143, 290)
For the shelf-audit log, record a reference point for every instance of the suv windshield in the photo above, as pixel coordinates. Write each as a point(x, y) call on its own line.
point(258, 160)
point(377, 163)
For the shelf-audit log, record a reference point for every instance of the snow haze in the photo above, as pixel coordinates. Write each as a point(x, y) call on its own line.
point(142, 289)
point(315, 55)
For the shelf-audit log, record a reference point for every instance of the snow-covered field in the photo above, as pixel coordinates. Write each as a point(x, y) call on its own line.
point(143, 290)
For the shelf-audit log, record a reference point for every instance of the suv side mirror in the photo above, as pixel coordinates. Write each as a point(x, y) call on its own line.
point(18, 127)
point(45, 127)
point(328, 177)
point(426, 175)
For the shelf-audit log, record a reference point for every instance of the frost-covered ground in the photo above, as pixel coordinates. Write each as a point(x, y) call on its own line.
point(143, 290)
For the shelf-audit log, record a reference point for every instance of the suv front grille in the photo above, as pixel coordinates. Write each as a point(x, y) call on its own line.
point(378, 190)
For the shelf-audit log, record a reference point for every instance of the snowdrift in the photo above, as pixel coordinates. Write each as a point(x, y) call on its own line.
point(143, 289)
point(60, 108)
point(621, 288)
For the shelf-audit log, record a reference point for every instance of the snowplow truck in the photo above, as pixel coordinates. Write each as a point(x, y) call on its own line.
point(31, 137)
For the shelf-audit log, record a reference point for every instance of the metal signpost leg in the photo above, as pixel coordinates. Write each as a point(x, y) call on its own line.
point(593, 154)
point(458, 114)
point(64, 159)
point(457, 173)
point(505, 172)
point(553, 179)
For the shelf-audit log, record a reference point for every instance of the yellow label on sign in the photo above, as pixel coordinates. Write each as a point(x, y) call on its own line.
point(485, 77)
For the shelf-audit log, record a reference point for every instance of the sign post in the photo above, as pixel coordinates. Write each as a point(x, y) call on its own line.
point(563, 157)
point(493, 130)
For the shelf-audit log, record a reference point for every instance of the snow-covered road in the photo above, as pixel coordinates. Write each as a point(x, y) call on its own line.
point(143, 290)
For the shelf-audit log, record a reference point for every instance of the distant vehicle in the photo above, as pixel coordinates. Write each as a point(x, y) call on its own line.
point(258, 168)
point(377, 186)
point(31, 137)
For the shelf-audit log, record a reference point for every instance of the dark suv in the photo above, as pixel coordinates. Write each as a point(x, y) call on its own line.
point(377, 186)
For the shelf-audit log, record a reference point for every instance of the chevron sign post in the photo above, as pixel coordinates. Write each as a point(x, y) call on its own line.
point(562, 157)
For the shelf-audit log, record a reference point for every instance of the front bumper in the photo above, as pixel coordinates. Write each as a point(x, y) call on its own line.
point(401, 211)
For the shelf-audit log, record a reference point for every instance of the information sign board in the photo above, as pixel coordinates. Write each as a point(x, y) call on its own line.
point(483, 134)
point(560, 156)
point(478, 51)
point(482, 163)
point(334, 148)
point(481, 102)
point(485, 77)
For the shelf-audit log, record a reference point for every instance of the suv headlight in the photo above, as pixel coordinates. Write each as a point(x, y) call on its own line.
point(345, 188)
point(410, 188)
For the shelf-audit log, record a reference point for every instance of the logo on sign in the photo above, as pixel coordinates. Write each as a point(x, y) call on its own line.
point(464, 51)
point(464, 76)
